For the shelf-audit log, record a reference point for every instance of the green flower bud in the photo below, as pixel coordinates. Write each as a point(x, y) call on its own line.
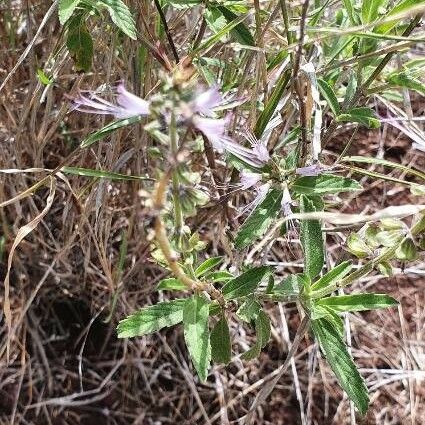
point(407, 251)
point(357, 246)
point(385, 268)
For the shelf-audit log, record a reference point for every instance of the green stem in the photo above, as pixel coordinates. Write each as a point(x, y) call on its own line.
point(178, 213)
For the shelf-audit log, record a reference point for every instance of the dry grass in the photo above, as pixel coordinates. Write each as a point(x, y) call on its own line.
point(66, 365)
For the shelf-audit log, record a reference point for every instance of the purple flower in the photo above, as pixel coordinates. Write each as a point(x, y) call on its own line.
point(207, 101)
point(286, 202)
point(286, 205)
point(259, 148)
point(128, 105)
point(249, 179)
point(260, 195)
point(311, 170)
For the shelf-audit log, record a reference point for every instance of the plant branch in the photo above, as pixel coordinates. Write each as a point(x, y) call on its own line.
point(167, 31)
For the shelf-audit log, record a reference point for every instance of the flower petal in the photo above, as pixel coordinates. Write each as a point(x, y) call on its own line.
point(249, 179)
point(206, 101)
point(131, 104)
point(310, 171)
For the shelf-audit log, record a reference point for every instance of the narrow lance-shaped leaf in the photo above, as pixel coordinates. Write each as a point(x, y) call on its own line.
point(271, 105)
point(108, 129)
point(332, 277)
point(260, 219)
point(329, 95)
point(400, 7)
point(311, 240)
point(151, 319)
point(358, 302)
point(171, 284)
point(246, 283)
point(221, 351)
point(319, 311)
point(208, 265)
point(241, 32)
point(362, 115)
point(216, 37)
point(324, 184)
point(341, 363)
point(196, 333)
point(262, 330)
point(370, 10)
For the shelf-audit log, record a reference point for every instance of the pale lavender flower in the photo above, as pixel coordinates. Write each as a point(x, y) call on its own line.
point(202, 109)
point(215, 131)
point(207, 101)
point(249, 179)
point(127, 104)
point(261, 193)
point(286, 202)
point(311, 170)
point(259, 148)
point(286, 205)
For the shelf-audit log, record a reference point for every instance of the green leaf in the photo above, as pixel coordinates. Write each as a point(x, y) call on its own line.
point(324, 184)
point(108, 129)
point(121, 17)
point(357, 302)
point(405, 80)
point(263, 331)
point(362, 115)
point(43, 78)
point(66, 9)
point(152, 318)
point(171, 284)
point(249, 310)
point(221, 276)
point(311, 240)
point(260, 219)
point(349, 6)
point(271, 105)
point(196, 333)
point(323, 311)
point(240, 32)
point(292, 285)
point(402, 6)
point(329, 95)
point(221, 351)
point(214, 39)
point(80, 46)
point(246, 283)
point(332, 277)
point(341, 363)
point(208, 265)
point(370, 10)
point(182, 4)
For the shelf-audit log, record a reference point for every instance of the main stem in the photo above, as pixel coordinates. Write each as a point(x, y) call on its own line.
point(178, 213)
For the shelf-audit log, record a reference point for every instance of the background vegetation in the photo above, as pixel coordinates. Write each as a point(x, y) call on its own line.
point(339, 82)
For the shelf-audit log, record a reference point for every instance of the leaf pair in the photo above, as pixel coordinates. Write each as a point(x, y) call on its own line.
point(328, 330)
